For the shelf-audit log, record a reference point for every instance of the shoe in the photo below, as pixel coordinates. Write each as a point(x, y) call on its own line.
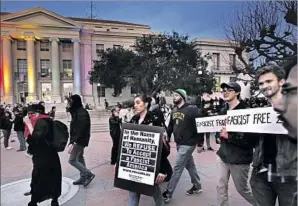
point(28, 155)
point(20, 150)
point(79, 181)
point(89, 179)
point(27, 193)
point(210, 149)
point(8, 148)
point(194, 190)
point(166, 196)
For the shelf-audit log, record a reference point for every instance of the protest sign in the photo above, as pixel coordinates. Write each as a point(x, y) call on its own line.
point(210, 124)
point(138, 158)
point(257, 120)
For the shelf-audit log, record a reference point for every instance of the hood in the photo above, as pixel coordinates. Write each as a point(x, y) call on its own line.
point(75, 103)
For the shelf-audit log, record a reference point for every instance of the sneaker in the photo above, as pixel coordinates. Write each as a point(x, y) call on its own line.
point(210, 149)
point(194, 190)
point(28, 155)
point(79, 181)
point(89, 179)
point(166, 196)
point(21, 150)
point(8, 148)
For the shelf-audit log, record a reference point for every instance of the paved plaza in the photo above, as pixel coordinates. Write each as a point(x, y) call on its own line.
point(16, 169)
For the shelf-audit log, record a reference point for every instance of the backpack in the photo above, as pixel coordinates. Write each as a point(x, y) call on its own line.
point(60, 136)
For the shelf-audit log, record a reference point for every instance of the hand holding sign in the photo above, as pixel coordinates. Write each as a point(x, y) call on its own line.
point(160, 178)
point(223, 133)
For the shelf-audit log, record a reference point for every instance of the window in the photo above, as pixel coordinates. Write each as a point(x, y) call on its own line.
point(22, 69)
point(21, 45)
point(232, 58)
point(116, 46)
point(44, 46)
point(114, 28)
point(99, 48)
point(130, 29)
point(217, 84)
point(66, 47)
point(44, 67)
point(233, 79)
point(67, 68)
point(215, 59)
point(101, 91)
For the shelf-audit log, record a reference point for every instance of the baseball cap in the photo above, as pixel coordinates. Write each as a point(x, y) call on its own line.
point(232, 85)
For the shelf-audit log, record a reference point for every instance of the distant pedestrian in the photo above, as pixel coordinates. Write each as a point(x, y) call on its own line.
point(115, 132)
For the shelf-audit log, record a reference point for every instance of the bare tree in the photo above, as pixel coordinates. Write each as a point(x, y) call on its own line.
point(267, 30)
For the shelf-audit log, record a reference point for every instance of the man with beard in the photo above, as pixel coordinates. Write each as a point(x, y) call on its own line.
point(46, 179)
point(235, 152)
point(183, 126)
point(79, 139)
point(275, 158)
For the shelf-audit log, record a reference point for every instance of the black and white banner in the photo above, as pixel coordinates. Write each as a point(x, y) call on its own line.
point(139, 157)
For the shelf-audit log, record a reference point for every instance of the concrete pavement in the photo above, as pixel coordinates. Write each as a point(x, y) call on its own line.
point(15, 166)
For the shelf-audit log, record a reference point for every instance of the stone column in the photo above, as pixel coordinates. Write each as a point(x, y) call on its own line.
point(7, 71)
point(76, 66)
point(86, 38)
point(56, 86)
point(32, 94)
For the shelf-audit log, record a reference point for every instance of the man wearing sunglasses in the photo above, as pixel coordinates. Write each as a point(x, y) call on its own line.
point(275, 157)
point(235, 152)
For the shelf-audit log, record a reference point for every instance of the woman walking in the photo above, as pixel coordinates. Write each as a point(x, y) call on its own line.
point(145, 117)
point(19, 128)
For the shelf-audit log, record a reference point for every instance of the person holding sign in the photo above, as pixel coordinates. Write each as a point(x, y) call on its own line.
point(235, 152)
point(275, 157)
point(183, 126)
point(146, 117)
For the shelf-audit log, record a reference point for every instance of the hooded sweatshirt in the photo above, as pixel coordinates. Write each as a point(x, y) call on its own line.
point(80, 122)
point(183, 126)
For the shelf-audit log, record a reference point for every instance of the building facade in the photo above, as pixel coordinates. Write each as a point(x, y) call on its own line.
point(221, 60)
point(45, 56)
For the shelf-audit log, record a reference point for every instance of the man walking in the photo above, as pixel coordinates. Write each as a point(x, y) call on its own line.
point(235, 152)
point(275, 158)
point(115, 133)
point(183, 126)
point(79, 139)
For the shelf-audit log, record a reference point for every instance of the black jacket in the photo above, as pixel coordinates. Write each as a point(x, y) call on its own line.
point(183, 126)
point(152, 119)
point(238, 148)
point(5, 124)
point(80, 127)
point(115, 127)
point(19, 124)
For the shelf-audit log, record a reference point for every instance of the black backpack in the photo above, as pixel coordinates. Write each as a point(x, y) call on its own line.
point(60, 136)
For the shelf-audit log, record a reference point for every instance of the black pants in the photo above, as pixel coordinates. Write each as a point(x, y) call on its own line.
point(265, 193)
point(6, 134)
point(114, 152)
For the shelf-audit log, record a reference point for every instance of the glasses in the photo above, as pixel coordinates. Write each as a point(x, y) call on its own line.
point(227, 91)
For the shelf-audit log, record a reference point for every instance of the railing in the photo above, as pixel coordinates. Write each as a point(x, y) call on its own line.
point(65, 75)
point(45, 74)
point(226, 69)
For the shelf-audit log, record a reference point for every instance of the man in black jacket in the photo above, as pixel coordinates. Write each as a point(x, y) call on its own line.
point(275, 157)
point(235, 152)
point(183, 126)
point(115, 132)
point(79, 139)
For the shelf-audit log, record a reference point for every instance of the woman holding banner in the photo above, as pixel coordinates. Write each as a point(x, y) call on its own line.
point(145, 117)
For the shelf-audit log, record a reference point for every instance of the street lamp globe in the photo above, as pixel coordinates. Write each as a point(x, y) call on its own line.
point(200, 72)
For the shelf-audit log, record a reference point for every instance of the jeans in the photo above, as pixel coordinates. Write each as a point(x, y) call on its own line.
point(266, 192)
point(134, 198)
point(207, 135)
point(6, 134)
point(22, 141)
point(184, 159)
point(76, 159)
point(239, 173)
